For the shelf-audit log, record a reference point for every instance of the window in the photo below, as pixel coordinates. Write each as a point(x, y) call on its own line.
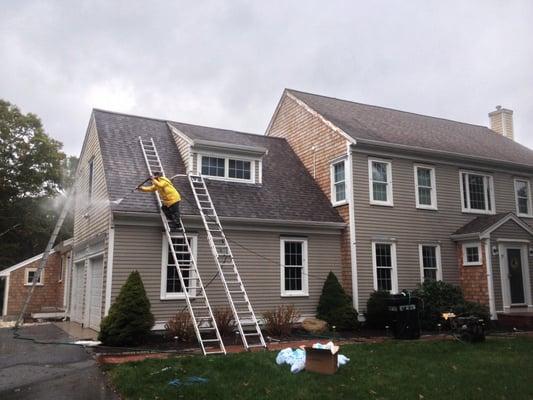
point(523, 197)
point(338, 183)
point(384, 260)
point(425, 186)
point(380, 181)
point(30, 272)
point(472, 254)
point(227, 168)
point(430, 262)
point(294, 267)
point(477, 193)
point(170, 283)
point(91, 171)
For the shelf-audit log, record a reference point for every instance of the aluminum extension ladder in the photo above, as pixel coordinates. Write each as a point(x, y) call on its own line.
point(241, 307)
point(200, 310)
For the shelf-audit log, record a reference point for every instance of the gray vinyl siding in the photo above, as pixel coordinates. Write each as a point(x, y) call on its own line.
point(140, 248)
point(409, 226)
point(509, 230)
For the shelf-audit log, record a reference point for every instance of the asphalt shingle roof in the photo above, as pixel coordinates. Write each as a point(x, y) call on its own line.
point(367, 122)
point(288, 191)
point(480, 224)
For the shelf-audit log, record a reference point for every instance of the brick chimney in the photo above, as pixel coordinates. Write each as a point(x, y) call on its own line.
point(501, 121)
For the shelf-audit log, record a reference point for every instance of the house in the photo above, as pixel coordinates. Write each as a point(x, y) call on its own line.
point(51, 295)
point(283, 231)
point(422, 197)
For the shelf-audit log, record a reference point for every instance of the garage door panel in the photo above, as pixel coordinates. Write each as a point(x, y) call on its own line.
point(95, 296)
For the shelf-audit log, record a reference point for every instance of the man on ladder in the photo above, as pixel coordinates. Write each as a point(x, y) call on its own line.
point(169, 196)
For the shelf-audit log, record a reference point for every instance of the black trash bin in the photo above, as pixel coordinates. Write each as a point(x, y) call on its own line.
point(403, 316)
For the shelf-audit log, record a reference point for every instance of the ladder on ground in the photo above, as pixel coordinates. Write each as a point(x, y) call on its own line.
point(195, 296)
point(243, 314)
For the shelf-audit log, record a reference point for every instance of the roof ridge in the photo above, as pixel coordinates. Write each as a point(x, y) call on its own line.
point(392, 109)
point(227, 130)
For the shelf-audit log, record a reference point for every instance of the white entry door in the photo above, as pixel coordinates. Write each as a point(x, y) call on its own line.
point(78, 292)
point(94, 298)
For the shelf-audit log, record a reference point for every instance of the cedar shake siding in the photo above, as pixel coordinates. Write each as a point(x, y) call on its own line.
point(140, 248)
point(317, 145)
point(474, 277)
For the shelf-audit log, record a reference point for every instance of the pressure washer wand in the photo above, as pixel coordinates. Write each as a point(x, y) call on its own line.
point(140, 184)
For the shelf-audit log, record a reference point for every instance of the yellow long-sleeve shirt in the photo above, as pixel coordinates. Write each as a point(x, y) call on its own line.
point(168, 193)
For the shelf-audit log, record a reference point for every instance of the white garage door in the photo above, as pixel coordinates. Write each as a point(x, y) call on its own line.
point(78, 291)
point(94, 299)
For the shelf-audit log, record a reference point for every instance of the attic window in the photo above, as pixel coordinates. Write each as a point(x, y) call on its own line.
point(227, 168)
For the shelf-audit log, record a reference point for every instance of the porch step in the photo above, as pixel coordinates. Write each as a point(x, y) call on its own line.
point(518, 320)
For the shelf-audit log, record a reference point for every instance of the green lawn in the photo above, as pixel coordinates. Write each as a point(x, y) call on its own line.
point(496, 369)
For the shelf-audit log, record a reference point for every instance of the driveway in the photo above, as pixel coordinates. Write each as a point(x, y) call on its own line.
point(30, 370)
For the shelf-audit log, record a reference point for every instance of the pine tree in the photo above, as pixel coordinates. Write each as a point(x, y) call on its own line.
point(335, 306)
point(129, 320)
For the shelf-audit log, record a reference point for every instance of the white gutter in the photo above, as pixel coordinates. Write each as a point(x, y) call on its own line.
point(490, 285)
point(109, 275)
point(351, 216)
point(6, 291)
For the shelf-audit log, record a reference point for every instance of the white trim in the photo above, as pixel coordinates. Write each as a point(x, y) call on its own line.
point(514, 240)
point(490, 283)
point(394, 265)
point(7, 271)
point(472, 245)
point(487, 179)
point(163, 295)
point(529, 202)
point(504, 273)
point(109, 268)
point(390, 200)
point(333, 191)
point(6, 297)
point(26, 275)
point(437, 256)
point(305, 281)
point(66, 284)
point(226, 159)
point(351, 216)
point(433, 188)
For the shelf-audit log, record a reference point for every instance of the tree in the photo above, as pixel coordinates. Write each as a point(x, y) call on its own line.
point(30, 183)
point(335, 306)
point(129, 320)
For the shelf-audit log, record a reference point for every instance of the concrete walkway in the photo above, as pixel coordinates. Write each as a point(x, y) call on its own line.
point(30, 370)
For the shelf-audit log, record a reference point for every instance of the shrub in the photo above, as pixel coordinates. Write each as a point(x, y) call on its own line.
point(224, 320)
point(439, 297)
point(129, 321)
point(377, 314)
point(280, 321)
point(335, 306)
point(180, 326)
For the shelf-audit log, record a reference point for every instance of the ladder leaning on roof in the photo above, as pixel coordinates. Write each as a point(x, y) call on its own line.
point(243, 314)
point(201, 313)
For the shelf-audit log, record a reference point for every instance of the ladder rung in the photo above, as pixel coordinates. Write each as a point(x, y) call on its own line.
point(210, 340)
point(252, 334)
point(216, 352)
point(256, 345)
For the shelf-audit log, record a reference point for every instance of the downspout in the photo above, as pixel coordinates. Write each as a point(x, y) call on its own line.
point(6, 291)
point(109, 269)
point(351, 216)
point(490, 285)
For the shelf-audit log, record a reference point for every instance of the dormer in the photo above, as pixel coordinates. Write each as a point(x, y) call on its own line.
point(218, 159)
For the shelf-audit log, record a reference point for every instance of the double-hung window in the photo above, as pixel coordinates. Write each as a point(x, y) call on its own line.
point(384, 260)
point(380, 182)
point(338, 183)
point(293, 260)
point(523, 197)
point(472, 253)
point(213, 166)
point(425, 186)
point(227, 168)
point(477, 192)
point(430, 267)
point(171, 287)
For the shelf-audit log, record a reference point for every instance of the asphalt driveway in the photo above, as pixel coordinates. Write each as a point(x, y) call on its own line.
point(29, 370)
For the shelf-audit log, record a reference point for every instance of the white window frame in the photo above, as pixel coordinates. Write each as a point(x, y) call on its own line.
point(480, 256)
point(26, 276)
point(529, 201)
point(226, 158)
point(421, 260)
point(390, 201)
point(394, 265)
point(333, 191)
point(488, 179)
point(164, 258)
point(433, 187)
point(305, 280)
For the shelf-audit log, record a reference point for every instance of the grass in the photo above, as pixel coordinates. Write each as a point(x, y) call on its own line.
point(496, 369)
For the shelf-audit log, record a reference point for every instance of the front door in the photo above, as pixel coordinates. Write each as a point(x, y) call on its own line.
point(516, 276)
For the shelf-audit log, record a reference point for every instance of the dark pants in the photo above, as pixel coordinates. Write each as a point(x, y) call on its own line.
point(173, 213)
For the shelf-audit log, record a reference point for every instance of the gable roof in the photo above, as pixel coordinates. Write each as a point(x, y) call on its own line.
point(373, 124)
point(288, 192)
point(483, 225)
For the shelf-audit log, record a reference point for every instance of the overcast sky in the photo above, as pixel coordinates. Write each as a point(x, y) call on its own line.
point(226, 64)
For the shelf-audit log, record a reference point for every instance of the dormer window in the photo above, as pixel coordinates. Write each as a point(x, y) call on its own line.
point(213, 166)
point(227, 168)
